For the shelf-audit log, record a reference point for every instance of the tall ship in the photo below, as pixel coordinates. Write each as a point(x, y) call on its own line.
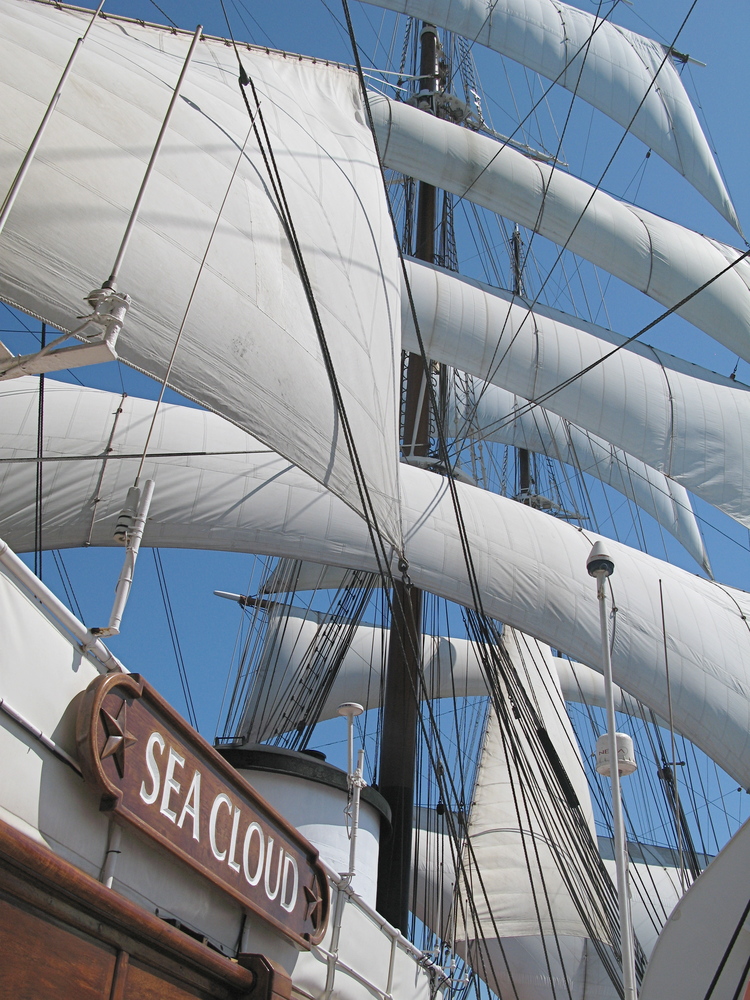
point(353, 317)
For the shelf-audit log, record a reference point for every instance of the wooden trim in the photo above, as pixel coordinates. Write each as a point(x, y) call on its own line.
point(273, 982)
point(33, 874)
point(120, 976)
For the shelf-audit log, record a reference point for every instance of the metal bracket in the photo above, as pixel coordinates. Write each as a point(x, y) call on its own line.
point(106, 322)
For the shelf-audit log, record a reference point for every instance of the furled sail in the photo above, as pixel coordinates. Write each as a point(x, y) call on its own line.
point(530, 568)
point(661, 258)
point(211, 247)
point(621, 73)
point(500, 416)
point(680, 419)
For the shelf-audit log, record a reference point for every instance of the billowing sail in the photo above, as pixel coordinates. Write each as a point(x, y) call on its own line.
point(499, 415)
point(530, 568)
point(680, 419)
point(212, 248)
point(661, 258)
point(527, 926)
point(704, 945)
point(526, 907)
point(623, 74)
point(581, 684)
point(452, 666)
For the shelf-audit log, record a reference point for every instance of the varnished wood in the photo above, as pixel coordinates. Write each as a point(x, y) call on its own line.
point(50, 900)
point(120, 977)
point(42, 959)
point(273, 981)
point(142, 984)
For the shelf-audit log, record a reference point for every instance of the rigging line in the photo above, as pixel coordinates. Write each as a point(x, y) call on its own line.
point(734, 600)
point(441, 774)
point(265, 710)
point(442, 445)
point(659, 754)
point(255, 20)
point(705, 125)
point(515, 785)
point(100, 478)
point(547, 183)
point(381, 551)
point(551, 828)
point(548, 684)
point(673, 762)
point(39, 469)
point(632, 477)
point(123, 456)
point(705, 841)
point(172, 626)
point(240, 651)
point(230, 716)
point(692, 854)
point(585, 45)
point(742, 981)
point(66, 581)
point(193, 291)
point(164, 14)
point(519, 698)
point(618, 456)
point(524, 790)
point(463, 535)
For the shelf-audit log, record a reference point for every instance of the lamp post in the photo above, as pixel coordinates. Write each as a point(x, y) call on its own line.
point(350, 710)
point(600, 566)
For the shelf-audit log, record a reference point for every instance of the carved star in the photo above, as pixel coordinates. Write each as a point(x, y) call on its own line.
point(118, 737)
point(314, 906)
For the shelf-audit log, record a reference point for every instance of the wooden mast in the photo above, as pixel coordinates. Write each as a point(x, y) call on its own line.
point(401, 703)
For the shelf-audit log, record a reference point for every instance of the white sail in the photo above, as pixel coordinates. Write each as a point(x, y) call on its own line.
point(530, 568)
point(661, 258)
point(621, 73)
point(452, 666)
point(307, 576)
point(500, 416)
point(680, 419)
point(585, 686)
point(524, 905)
point(249, 348)
point(704, 945)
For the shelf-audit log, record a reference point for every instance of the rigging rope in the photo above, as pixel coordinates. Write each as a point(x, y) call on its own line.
point(174, 636)
point(482, 624)
point(39, 470)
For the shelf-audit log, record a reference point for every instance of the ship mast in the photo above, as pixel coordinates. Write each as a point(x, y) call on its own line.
point(401, 702)
point(523, 455)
